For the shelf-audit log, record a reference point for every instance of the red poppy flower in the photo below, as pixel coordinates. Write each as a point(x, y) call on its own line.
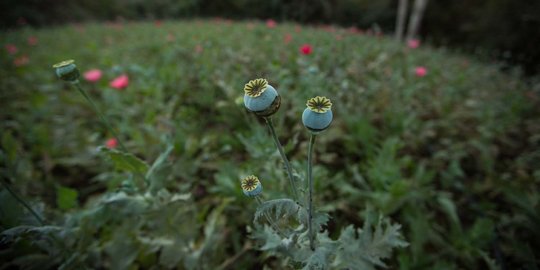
point(111, 143)
point(306, 49)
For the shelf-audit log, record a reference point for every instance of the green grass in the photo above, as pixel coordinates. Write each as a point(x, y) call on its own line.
point(452, 156)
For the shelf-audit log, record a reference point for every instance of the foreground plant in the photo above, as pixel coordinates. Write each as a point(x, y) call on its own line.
point(295, 229)
point(68, 71)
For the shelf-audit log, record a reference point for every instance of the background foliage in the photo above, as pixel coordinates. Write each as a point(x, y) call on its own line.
point(452, 156)
point(505, 30)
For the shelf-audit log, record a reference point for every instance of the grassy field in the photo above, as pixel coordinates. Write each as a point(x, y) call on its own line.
point(450, 151)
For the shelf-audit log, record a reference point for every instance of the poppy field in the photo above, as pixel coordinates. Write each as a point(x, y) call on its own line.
point(151, 156)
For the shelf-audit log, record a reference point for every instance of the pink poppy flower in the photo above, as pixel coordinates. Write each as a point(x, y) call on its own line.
point(413, 43)
point(11, 49)
point(420, 71)
point(120, 82)
point(21, 61)
point(111, 143)
point(271, 23)
point(287, 38)
point(92, 75)
point(32, 40)
point(306, 49)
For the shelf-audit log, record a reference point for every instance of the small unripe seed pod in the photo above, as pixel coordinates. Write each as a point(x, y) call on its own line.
point(251, 186)
point(261, 98)
point(67, 71)
point(318, 114)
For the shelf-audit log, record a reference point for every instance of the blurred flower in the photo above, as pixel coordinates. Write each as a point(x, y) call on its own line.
point(21, 61)
point(198, 48)
point(111, 143)
point(354, 30)
point(420, 71)
point(120, 82)
point(92, 75)
point(306, 49)
point(271, 23)
point(297, 28)
point(339, 37)
point(318, 114)
point(32, 40)
point(67, 71)
point(158, 23)
point(287, 38)
point(251, 186)
point(413, 43)
point(11, 49)
point(261, 98)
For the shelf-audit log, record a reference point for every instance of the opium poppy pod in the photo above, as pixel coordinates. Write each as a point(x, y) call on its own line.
point(318, 114)
point(251, 186)
point(261, 98)
point(67, 71)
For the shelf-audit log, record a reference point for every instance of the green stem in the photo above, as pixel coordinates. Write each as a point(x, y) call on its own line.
point(310, 195)
point(23, 202)
point(283, 156)
point(110, 129)
point(101, 117)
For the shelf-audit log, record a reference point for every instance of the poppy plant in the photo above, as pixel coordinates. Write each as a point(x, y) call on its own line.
point(11, 49)
point(111, 143)
point(92, 75)
point(306, 49)
point(413, 43)
point(120, 82)
point(420, 71)
point(271, 23)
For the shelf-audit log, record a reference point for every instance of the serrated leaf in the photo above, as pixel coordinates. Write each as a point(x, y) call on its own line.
point(278, 209)
point(318, 260)
point(365, 249)
point(125, 161)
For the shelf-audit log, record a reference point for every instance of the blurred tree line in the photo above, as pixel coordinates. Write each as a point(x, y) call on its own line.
point(506, 30)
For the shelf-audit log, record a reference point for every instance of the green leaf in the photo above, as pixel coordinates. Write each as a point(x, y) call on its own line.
point(66, 198)
point(159, 161)
point(279, 208)
point(449, 208)
point(125, 161)
point(318, 260)
point(364, 249)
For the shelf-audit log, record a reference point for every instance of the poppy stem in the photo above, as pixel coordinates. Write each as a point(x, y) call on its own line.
point(270, 125)
point(110, 129)
point(101, 116)
point(310, 194)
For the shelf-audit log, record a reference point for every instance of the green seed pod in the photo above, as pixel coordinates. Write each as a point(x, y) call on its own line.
point(251, 186)
point(318, 114)
point(67, 71)
point(261, 98)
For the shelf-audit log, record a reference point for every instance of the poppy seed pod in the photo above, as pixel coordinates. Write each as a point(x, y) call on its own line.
point(251, 186)
point(261, 98)
point(318, 114)
point(67, 71)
